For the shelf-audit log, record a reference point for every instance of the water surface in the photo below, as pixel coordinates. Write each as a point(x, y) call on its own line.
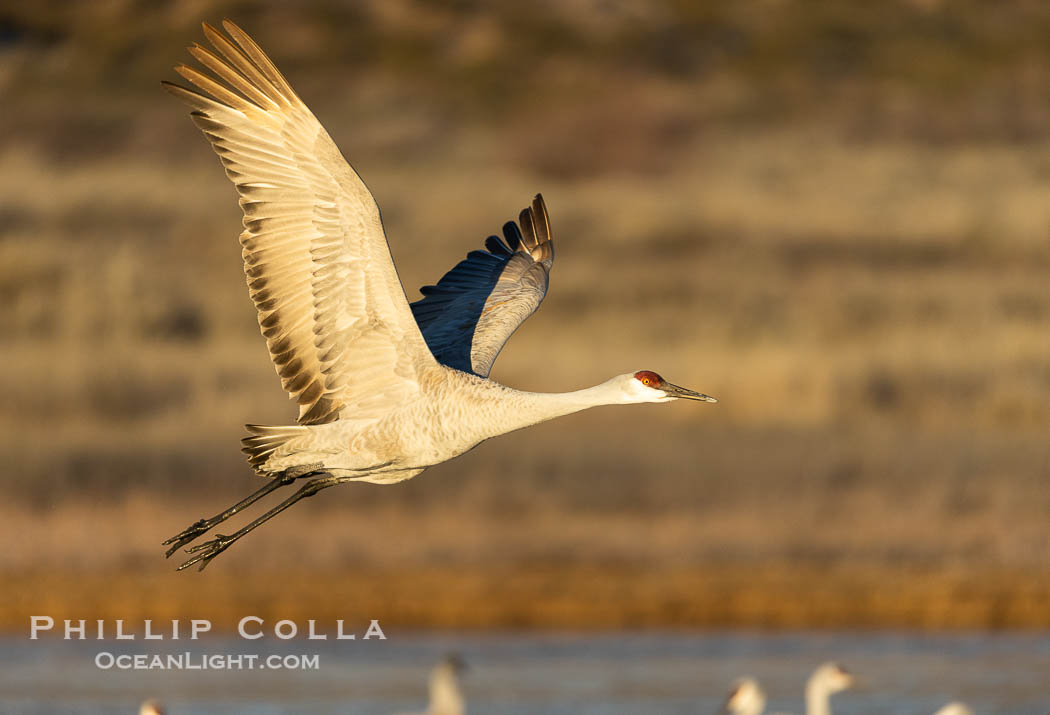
point(514, 673)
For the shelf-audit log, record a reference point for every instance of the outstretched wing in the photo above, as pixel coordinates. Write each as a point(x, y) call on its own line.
point(468, 316)
point(331, 307)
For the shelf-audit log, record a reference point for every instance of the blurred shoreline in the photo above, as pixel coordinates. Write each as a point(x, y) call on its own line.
point(546, 596)
point(451, 570)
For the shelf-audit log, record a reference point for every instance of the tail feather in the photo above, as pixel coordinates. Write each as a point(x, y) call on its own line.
point(266, 440)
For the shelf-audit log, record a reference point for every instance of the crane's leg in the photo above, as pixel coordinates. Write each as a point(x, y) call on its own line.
point(210, 549)
point(197, 528)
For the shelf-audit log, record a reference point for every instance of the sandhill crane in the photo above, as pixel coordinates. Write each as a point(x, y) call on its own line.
point(446, 698)
point(385, 389)
point(745, 698)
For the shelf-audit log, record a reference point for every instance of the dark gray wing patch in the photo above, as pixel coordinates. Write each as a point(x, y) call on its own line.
point(469, 315)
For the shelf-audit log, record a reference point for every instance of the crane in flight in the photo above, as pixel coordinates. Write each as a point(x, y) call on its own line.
point(385, 388)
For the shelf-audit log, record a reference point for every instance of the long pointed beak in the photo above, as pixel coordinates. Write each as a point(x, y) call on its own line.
point(682, 393)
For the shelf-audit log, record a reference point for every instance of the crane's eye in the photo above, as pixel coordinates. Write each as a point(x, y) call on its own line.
point(648, 378)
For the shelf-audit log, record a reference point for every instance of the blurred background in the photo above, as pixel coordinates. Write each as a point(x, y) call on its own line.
point(832, 216)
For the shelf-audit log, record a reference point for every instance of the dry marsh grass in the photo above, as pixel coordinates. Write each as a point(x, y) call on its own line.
point(769, 205)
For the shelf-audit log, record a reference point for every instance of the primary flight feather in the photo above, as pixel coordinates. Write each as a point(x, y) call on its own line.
point(385, 389)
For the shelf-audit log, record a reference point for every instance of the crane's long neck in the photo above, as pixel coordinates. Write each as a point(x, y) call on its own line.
point(518, 409)
point(818, 697)
point(445, 697)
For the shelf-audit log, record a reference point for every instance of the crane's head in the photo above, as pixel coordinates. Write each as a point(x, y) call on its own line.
point(746, 698)
point(831, 678)
point(647, 386)
point(453, 662)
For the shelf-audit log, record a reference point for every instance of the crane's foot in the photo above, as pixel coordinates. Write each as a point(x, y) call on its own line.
point(204, 553)
point(187, 535)
point(196, 529)
point(207, 551)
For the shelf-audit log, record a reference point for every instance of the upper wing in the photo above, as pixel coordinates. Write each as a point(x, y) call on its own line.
point(472, 311)
point(331, 307)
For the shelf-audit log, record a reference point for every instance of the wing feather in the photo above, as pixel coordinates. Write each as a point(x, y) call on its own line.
point(474, 309)
point(331, 307)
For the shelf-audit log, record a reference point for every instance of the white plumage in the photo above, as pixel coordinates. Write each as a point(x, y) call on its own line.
point(746, 697)
point(151, 707)
point(955, 708)
point(446, 697)
point(828, 679)
point(385, 389)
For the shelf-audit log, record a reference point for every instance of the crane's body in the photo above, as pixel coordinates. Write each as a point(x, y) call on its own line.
point(385, 388)
point(455, 413)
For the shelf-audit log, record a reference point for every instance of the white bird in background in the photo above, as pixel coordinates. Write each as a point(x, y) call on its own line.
point(745, 698)
point(151, 707)
point(748, 698)
point(955, 708)
point(828, 679)
point(385, 389)
point(445, 696)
